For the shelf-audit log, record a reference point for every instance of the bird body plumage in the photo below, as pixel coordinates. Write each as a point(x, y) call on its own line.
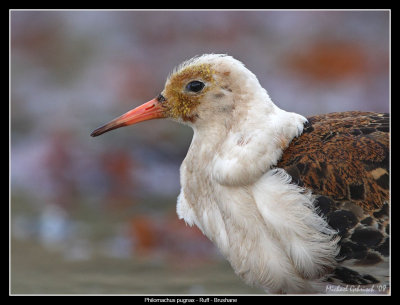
point(344, 159)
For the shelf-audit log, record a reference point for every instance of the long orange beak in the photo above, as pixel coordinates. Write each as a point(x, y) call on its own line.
point(148, 111)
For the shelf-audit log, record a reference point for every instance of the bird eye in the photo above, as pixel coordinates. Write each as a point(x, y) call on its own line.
point(195, 86)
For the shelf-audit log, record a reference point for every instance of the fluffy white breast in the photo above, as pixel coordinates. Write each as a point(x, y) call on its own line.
point(269, 232)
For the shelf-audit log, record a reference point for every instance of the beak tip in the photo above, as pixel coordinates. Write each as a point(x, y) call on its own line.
point(96, 132)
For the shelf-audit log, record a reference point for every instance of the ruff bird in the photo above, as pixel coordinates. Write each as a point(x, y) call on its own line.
point(295, 204)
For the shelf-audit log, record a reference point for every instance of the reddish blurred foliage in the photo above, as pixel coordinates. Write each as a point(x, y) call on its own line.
point(34, 39)
point(118, 166)
point(143, 233)
point(186, 245)
point(171, 236)
point(330, 61)
point(57, 163)
point(132, 80)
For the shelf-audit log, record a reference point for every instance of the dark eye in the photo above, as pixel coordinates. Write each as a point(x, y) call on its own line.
point(195, 86)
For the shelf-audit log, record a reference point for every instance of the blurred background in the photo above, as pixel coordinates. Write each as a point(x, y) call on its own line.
point(97, 215)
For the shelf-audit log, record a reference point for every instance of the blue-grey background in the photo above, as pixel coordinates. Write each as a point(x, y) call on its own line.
point(97, 215)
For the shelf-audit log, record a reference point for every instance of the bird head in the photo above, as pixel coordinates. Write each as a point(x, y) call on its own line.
point(198, 90)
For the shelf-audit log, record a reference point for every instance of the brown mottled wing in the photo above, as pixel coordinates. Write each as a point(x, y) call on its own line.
point(343, 158)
